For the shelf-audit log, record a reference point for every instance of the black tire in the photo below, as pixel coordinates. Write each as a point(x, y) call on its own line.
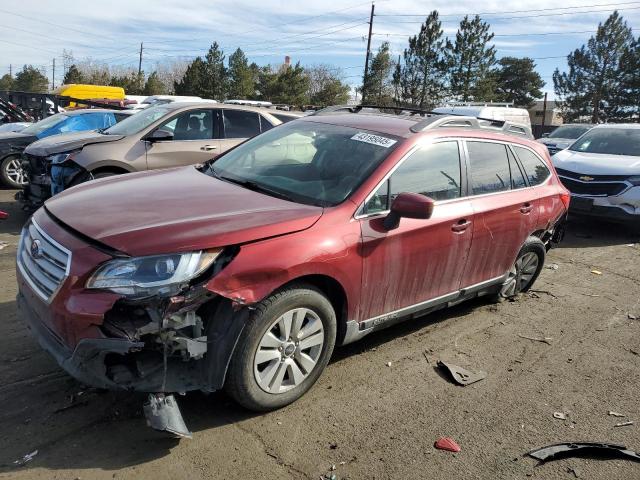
point(86, 177)
point(241, 383)
point(518, 281)
point(4, 172)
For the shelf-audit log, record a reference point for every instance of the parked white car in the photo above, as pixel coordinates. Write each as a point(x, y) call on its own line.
point(602, 171)
point(13, 127)
point(563, 136)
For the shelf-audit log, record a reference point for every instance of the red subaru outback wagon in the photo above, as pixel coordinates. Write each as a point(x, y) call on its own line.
point(247, 271)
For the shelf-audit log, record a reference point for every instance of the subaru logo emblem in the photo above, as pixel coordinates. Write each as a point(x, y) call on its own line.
point(36, 249)
point(586, 178)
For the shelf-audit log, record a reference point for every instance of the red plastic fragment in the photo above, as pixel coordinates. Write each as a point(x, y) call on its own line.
point(3, 215)
point(446, 443)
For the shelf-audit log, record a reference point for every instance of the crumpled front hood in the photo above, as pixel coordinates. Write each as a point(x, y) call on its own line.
point(14, 139)
point(596, 163)
point(175, 210)
point(67, 142)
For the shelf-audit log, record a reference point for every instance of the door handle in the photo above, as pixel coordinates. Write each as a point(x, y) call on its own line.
point(526, 208)
point(461, 226)
point(207, 148)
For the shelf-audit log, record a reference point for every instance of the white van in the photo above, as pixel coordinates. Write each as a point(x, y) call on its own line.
point(487, 110)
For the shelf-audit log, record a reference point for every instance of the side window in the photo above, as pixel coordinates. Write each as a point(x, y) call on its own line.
point(517, 178)
point(265, 124)
point(241, 124)
point(191, 125)
point(433, 171)
point(489, 167)
point(537, 172)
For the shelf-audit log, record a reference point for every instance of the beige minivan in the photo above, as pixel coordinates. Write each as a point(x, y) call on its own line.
point(161, 136)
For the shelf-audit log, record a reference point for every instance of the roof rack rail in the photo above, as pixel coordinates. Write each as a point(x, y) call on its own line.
point(381, 108)
point(433, 120)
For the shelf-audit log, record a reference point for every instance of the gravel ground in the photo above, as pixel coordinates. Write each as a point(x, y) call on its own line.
point(366, 418)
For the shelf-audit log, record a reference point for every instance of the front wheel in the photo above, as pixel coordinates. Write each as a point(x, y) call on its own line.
point(525, 269)
point(284, 348)
point(12, 173)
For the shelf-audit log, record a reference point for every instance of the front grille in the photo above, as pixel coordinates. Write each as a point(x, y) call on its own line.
point(35, 165)
point(596, 189)
point(42, 261)
point(596, 178)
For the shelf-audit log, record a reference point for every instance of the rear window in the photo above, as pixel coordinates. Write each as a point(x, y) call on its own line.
point(536, 170)
point(569, 131)
point(612, 141)
point(241, 124)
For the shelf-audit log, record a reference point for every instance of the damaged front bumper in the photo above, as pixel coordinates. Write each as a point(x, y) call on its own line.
point(148, 364)
point(45, 180)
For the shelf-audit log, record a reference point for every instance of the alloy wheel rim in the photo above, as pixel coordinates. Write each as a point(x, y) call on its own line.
point(15, 172)
point(289, 350)
point(521, 274)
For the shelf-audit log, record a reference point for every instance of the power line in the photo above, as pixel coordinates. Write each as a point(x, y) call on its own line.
point(499, 34)
point(533, 16)
point(507, 12)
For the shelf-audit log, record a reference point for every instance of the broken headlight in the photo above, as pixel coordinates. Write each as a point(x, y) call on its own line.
point(153, 275)
point(59, 158)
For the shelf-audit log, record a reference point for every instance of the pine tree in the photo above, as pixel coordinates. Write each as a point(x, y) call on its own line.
point(191, 82)
point(594, 85)
point(470, 60)
point(214, 81)
point(420, 79)
point(242, 81)
point(292, 85)
point(517, 81)
point(325, 86)
point(30, 79)
point(6, 82)
point(73, 75)
point(630, 84)
point(153, 85)
point(377, 87)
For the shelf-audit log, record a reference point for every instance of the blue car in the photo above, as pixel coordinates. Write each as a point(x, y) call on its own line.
point(12, 144)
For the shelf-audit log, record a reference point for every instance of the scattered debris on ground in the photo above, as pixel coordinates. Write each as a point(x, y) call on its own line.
point(596, 272)
point(388, 364)
point(546, 292)
point(461, 375)
point(553, 266)
point(623, 424)
point(26, 459)
point(631, 316)
point(162, 414)
point(546, 340)
point(615, 414)
point(4, 245)
point(590, 449)
point(560, 415)
point(448, 444)
point(574, 470)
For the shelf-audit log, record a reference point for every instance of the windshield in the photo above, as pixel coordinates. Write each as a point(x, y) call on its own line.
point(569, 131)
point(138, 121)
point(306, 162)
point(613, 141)
point(44, 124)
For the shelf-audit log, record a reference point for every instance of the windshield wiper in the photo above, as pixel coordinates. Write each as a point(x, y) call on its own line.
point(251, 185)
point(102, 131)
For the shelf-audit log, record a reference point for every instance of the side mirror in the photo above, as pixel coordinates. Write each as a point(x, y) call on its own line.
point(408, 205)
point(545, 134)
point(159, 136)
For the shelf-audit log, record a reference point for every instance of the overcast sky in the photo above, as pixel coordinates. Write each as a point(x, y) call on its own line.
point(327, 31)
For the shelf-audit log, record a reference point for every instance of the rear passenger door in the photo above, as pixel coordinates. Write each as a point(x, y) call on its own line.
point(504, 210)
point(239, 125)
point(195, 140)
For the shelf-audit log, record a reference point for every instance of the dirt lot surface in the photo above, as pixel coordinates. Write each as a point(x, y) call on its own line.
point(369, 419)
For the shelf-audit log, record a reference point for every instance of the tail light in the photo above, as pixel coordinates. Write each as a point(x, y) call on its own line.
point(565, 197)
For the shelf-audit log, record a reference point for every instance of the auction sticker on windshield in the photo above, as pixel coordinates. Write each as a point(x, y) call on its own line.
point(373, 139)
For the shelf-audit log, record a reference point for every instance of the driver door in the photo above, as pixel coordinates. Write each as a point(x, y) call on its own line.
point(421, 259)
point(195, 140)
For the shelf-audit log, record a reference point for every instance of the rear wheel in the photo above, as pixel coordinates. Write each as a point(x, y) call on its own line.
point(12, 174)
point(525, 269)
point(284, 348)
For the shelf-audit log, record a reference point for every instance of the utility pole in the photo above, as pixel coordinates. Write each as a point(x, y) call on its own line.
point(366, 60)
point(53, 75)
point(544, 111)
point(140, 61)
